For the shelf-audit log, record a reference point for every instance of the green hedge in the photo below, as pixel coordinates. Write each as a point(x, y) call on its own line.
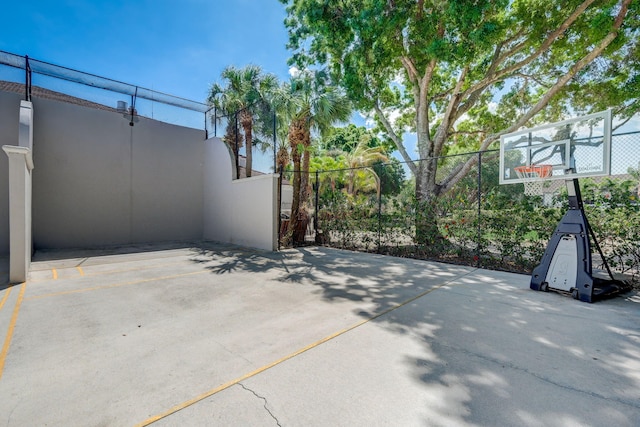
point(508, 233)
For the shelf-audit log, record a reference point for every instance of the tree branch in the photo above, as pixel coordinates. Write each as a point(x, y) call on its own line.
point(394, 137)
point(470, 132)
point(472, 95)
point(534, 78)
point(460, 172)
point(420, 8)
point(551, 38)
point(411, 69)
point(426, 79)
point(450, 113)
point(501, 74)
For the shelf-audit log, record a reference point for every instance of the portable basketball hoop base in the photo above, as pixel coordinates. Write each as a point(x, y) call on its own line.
point(566, 264)
point(567, 150)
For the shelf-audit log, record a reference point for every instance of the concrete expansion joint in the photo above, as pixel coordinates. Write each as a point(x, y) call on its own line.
point(264, 399)
point(510, 365)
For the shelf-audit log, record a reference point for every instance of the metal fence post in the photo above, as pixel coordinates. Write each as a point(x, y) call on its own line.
point(279, 210)
point(237, 149)
point(206, 127)
point(275, 144)
point(27, 86)
point(316, 238)
point(380, 208)
point(478, 243)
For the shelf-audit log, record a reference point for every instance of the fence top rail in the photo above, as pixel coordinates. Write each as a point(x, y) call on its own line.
point(87, 79)
point(468, 154)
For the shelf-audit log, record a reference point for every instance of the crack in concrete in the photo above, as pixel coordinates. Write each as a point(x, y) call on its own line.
point(510, 365)
point(265, 402)
point(231, 352)
point(11, 413)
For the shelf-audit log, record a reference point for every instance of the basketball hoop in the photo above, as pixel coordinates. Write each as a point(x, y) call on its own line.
point(534, 175)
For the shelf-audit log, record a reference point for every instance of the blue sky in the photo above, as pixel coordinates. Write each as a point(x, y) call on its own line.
point(173, 46)
point(178, 47)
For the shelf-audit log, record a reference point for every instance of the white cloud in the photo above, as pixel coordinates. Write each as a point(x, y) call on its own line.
point(294, 71)
point(369, 121)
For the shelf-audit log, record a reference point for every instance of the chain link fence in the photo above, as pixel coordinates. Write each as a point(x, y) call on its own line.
point(38, 79)
point(478, 222)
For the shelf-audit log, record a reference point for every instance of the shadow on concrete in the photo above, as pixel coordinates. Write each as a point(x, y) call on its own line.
point(43, 255)
point(4, 273)
point(493, 351)
point(380, 281)
point(516, 358)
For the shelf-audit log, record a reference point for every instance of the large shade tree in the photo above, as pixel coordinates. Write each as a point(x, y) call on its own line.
point(313, 105)
point(468, 71)
point(244, 95)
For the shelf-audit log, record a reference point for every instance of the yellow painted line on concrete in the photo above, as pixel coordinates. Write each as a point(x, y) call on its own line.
point(4, 298)
point(115, 285)
point(284, 359)
point(12, 325)
point(102, 273)
point(80, 270)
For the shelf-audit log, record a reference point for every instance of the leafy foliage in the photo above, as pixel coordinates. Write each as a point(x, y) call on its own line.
point(510, 231)
point(460, 73)
point(242, 99)
point(310, 102)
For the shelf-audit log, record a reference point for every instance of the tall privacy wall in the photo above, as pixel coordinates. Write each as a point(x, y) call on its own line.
point(99, 181)
point(9, 117)
point(241, 212)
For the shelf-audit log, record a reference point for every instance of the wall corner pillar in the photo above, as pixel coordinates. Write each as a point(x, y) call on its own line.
point(20, 193)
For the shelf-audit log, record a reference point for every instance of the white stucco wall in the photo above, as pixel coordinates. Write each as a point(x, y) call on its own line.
point(286, 199)
point(9, 120)
point(20, 168)
point(100, 182)
point(241, 212)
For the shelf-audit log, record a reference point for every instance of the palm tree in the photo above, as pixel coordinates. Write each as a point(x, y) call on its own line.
point(362, 157)
point(332, 168)
point(224, 102)
point(314, 105)
point(244, 94)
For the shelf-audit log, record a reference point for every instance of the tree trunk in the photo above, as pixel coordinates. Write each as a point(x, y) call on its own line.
point(291, 238)
point(246, 119)
point(231, 135)
point(427, 191)
point(428, 234)
point(305, 187)
point(297, 133)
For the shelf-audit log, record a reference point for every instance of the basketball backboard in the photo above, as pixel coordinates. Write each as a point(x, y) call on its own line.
point(573, 148)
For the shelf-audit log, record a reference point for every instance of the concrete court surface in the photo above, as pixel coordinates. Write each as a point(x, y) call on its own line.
point(216, 335)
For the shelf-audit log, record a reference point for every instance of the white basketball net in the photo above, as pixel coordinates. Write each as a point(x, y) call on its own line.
point(533, 188)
